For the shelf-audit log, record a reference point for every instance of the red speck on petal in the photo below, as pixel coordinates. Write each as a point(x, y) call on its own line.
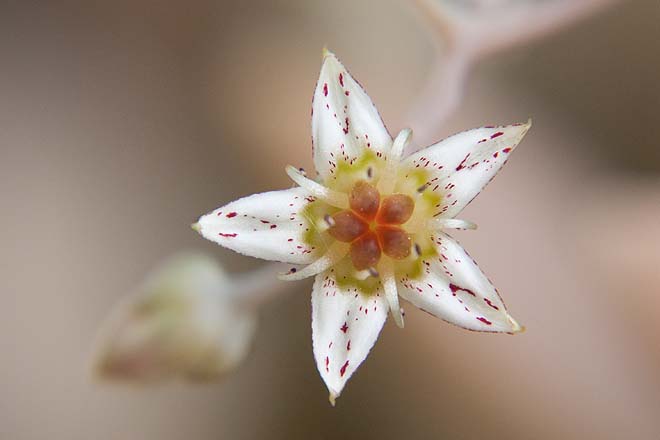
point(491, 304)
point(227, 235)
point(462, 164)
point(342, 371)
point(273, 226)
point(344, 327)
point(498, 134)
point(325, 89)
point(484, 320)
point(348, 346)
point(495, 154)
point(347, 93)
point(454, 288)
point(327, 362)
point(232, 214)
point(507, 150)
point(341, 79)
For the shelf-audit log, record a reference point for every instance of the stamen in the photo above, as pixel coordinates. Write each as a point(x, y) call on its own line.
point(391, 294)
point(418, 250)
point(335, 253)
point(387, 179)
point(329, 220)
point(366, 273)
point(450, 223)
point(334, 198)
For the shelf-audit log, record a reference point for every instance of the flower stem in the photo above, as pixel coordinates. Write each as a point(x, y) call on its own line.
point(256, 287)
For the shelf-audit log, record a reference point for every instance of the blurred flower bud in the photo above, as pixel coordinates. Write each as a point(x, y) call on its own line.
point(183, 322)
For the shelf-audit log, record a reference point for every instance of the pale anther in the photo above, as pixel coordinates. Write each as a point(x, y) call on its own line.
point(329, 220)
point(366, 273)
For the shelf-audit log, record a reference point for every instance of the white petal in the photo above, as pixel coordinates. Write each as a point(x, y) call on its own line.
point(267, 225)
point(452, 287)
point(344, 120)
point(345, 325)
point(461, 165)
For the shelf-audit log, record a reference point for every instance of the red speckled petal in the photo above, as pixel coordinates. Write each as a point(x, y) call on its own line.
point(266, 225)
point(345, 325)
point(452, 287)
point(461, 165)
point(344, 120)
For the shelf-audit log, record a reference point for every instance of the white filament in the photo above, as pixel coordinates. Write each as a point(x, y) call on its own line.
point(387, 179)
point(331, 197)
point(391, 293)
point(450, 223)
point(335, 253)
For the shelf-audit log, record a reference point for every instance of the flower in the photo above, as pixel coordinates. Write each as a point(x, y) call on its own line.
point(370, 228)
point(183, 322)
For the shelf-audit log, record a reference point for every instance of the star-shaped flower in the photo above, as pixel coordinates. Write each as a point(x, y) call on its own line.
point(370, 227)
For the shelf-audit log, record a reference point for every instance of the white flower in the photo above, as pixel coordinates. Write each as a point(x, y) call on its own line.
point(182, 323)
point(370, 228)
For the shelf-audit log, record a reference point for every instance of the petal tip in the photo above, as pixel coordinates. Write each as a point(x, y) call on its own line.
point(326, 53)
point(197, 227)
point(332, 398)
point(525, 127)
point(515, 327)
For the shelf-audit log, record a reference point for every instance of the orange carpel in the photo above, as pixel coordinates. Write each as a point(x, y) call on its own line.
point(395, 241)
point(364, 199)
point(365, 251)
point(347, 226)
point(396, 209)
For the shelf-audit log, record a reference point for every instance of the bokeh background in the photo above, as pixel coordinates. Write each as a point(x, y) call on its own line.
point(122, 121)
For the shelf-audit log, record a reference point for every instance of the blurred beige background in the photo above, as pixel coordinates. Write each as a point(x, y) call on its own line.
point(121, 122)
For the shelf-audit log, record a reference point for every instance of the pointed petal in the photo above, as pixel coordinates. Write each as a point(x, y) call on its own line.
point(461, 165)
point(345, 325)
point(267, 225)
point(344, 120)
point(452, 287)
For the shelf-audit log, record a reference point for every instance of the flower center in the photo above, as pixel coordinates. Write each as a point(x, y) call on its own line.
point(373, 225)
